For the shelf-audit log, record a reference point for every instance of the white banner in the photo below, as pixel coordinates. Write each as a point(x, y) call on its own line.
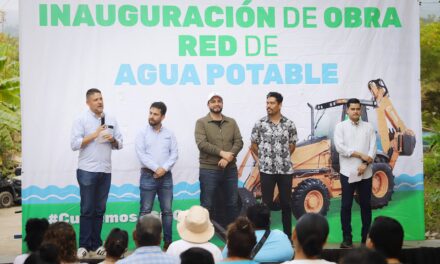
point(138, 52)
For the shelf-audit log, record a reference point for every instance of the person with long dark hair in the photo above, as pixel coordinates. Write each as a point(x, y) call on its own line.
point(115, 245)
point(35, 229)
point(241, 240)
point(309, 236)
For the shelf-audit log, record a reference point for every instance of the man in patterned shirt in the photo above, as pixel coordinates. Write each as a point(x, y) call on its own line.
point(273, 141)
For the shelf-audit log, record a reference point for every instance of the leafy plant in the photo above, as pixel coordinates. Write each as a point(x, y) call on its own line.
point(10, 120)
point(430, 71)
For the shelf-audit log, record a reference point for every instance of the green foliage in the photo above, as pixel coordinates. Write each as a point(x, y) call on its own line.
point(430, 79)
point(10, 120)
point(432, 180)
point(430, 70)
point(432, 204)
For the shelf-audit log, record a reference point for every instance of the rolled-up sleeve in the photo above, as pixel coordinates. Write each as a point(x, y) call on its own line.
point(117, 136)
point(77, 135)
point(373, 148)
point(341, 148)
point(168, 165)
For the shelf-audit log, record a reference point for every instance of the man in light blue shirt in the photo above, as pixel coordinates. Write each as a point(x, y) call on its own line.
point(156, 148)
point(147, 236)
point(95, 135)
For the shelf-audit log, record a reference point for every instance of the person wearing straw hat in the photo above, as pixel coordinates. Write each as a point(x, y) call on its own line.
point(195, 229)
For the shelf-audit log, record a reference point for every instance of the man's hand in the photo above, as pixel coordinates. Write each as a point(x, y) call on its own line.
point(223, 163)
point(91, 137)
point(362, 168)
point(109, 138)
point(229, 156)
point(366, 158)
point(159, 173)
point(362, 156)
point(98, 131)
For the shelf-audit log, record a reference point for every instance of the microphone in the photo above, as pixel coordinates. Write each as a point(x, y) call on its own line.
point(103, 120)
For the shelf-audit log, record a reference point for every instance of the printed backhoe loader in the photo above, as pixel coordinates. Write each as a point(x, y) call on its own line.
point(316, 162)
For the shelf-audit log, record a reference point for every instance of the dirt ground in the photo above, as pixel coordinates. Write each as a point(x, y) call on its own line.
point(10, 225)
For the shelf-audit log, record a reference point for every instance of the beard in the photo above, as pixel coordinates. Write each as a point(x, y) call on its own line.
point(152, 122)
point(216, 111)
point(270, 111)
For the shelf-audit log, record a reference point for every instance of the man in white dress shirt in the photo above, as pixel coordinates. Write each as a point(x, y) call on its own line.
point(95, 135)
point(355, 141)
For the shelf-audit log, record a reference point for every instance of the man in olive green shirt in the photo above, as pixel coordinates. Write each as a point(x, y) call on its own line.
point(219, 141)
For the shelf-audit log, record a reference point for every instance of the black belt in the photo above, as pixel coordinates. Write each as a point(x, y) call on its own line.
point(147, 170)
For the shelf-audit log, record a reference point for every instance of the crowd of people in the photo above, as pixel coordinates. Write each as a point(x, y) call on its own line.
point(249, 239)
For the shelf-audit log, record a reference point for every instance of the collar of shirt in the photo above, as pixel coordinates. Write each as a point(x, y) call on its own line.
point(266, 119)
point(147, 249)
point(154, 130)
point(355, 123)
point(94, 115)
point(224, 119)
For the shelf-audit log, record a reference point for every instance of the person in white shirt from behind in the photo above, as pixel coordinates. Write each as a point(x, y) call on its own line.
point(195, 229)
point(309, 236)
point(355, 141)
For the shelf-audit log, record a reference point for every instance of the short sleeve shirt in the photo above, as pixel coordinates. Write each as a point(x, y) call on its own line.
point(273, 142)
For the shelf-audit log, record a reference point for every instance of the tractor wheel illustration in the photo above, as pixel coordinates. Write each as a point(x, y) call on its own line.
point(383, 185)
point(310, 196)
point(245, 200)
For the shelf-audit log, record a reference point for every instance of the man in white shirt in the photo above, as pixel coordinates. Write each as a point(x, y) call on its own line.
point(355, 141)
point(95, 135)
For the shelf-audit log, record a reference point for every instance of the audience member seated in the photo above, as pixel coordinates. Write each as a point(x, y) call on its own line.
point(115, 245)
point(277, 247)
point(35, 229)
point(195, 229)
point(196, 255)
point(362, 256)
point(240, 240)
point(46, 254)
point(147, 236)
point(62, 236)
point(386, 237)
point(309, 237)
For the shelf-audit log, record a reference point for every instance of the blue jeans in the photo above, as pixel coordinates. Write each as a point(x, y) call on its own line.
point(227, 180)
point(363, 188)
point(163, 187)
point(93, 188)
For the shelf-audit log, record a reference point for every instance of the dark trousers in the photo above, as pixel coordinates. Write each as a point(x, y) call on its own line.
point(93, 188)
point(227, 181)
point(363, 189)
point(284, 183)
